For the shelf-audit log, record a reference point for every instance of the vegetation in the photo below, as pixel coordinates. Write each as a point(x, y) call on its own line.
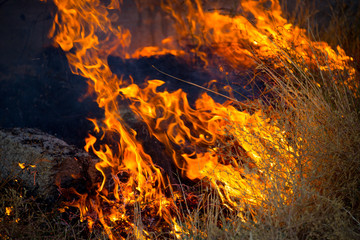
point(23, 216)
point(321, 117)
point(320, 113)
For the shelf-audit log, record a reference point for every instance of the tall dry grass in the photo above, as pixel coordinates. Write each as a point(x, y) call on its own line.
point(320, 113)
point(316, 195)
point(334, 21)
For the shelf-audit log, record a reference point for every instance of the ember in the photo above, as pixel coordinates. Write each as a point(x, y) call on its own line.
point(208, 138)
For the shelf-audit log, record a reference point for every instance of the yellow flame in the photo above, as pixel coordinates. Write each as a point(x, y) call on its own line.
point(22, 165)
point(193, 136)
point(8, 210)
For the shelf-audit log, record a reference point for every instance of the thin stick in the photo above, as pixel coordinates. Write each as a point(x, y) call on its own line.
point(244, 105)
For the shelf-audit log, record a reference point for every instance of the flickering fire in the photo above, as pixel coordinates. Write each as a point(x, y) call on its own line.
point(8, 210)
point(194, 137)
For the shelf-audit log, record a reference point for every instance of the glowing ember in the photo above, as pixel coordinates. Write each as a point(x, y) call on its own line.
point(8, 210)
point(22, 165)
point(198, 139)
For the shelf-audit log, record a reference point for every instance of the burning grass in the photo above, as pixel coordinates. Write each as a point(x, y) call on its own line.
point(323, 135)
point(285, 168)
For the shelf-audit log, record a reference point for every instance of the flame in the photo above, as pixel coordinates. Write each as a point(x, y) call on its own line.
point(173, 122)
point(8, 210)
point(22, 165)
point(198, 138)
point(236, 39)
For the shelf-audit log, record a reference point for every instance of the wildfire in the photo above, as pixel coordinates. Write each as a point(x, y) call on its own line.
point(194, 137)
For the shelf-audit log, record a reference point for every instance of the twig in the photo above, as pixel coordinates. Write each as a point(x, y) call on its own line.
point(243, 105)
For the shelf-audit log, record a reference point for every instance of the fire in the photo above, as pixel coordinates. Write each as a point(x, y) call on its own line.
point(194, 136)
point(8, 210)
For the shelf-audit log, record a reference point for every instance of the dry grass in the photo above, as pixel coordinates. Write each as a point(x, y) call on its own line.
point(23, 216)
point(337, 22)
point(322, 126)
point(321, 117)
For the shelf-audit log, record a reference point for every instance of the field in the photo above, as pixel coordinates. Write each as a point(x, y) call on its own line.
point(307, 122)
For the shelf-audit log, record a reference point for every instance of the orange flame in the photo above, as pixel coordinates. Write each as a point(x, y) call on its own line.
point(88, 32)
